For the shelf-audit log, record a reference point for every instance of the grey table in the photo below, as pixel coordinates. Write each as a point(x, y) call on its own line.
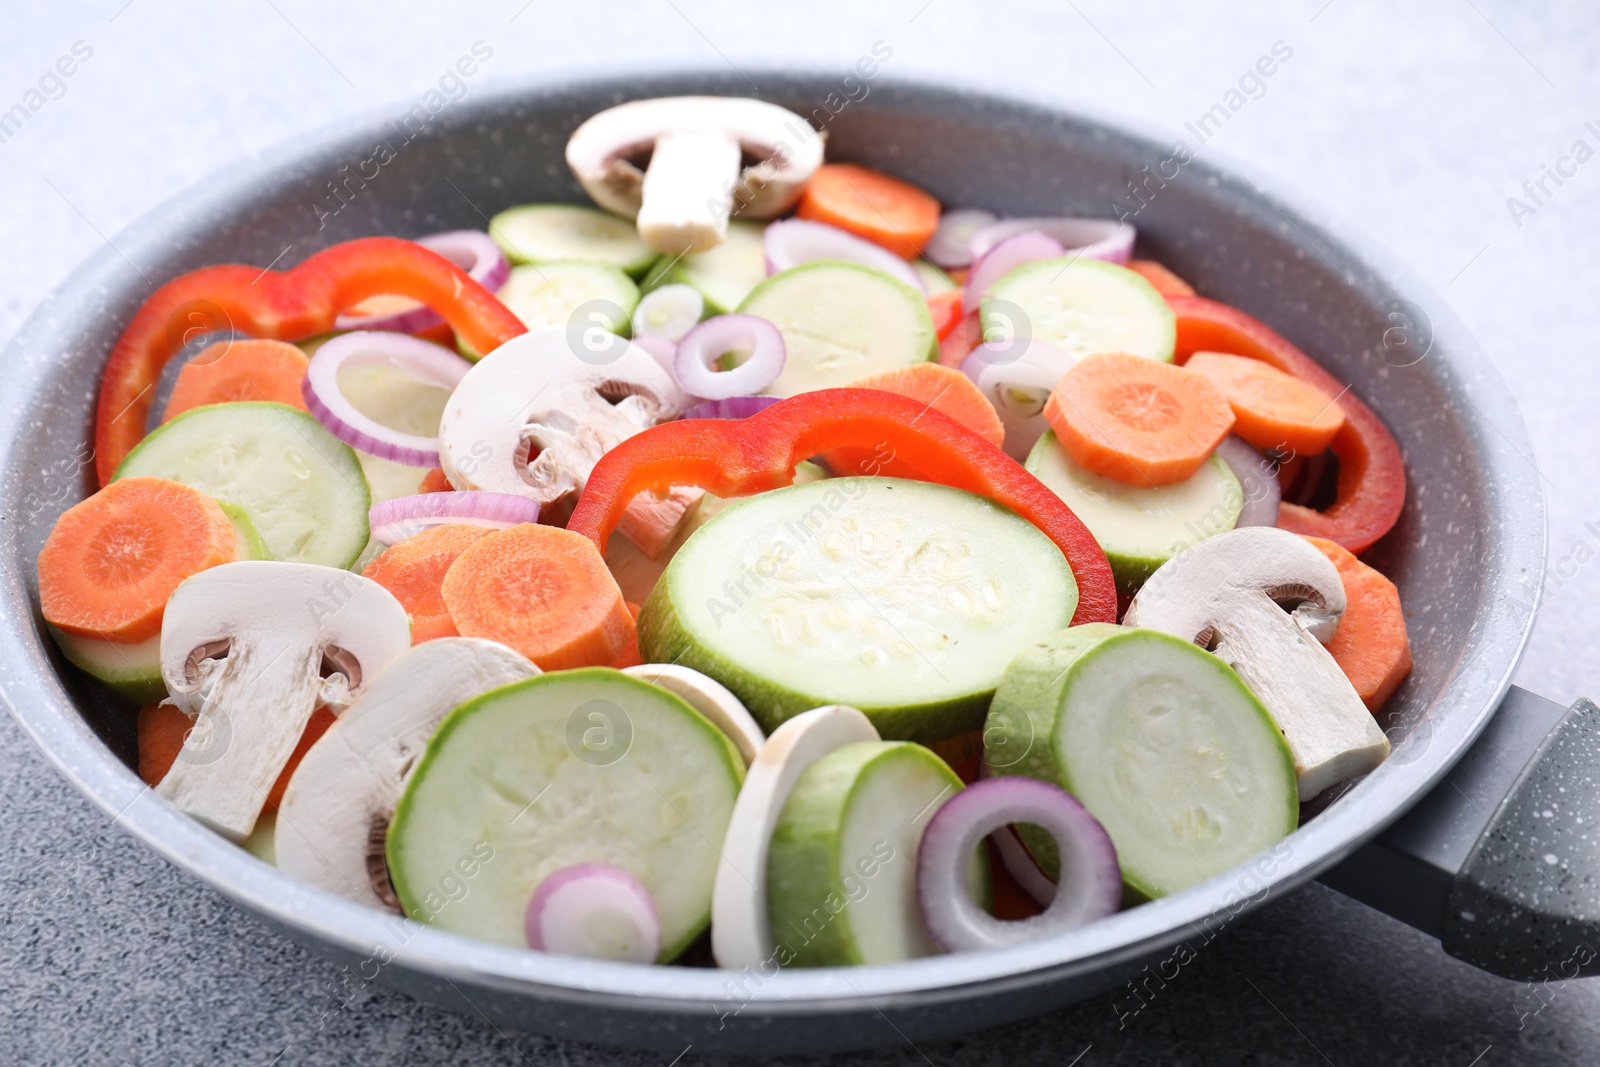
point(1420, 126)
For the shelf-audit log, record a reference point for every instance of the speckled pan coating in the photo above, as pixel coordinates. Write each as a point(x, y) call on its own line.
point(1467, 555)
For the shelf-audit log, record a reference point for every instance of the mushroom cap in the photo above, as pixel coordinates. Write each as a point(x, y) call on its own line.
point(787, 150)
point(710, 698)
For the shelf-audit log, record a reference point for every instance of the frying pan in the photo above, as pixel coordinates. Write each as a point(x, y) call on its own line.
point(1490, 861)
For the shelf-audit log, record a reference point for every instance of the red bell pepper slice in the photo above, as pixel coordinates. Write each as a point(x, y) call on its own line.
point(1372, 476)
point(744, 456)
point(284, 306)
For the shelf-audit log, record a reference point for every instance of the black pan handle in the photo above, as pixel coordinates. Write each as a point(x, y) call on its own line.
point(1501, 861)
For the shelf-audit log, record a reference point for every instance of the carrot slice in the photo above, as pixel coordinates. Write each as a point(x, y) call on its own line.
point(543, 591)
point(1166, 283)
point(946, 311)
point(870, 204)
point(943, 389)
point(1137, 420)
point(435, 482)
point(162, 729)
point(414, 569)
point(630, 656)
point(1370, 645)
point(1272, 409)
point(111, 562)
point(240, 370)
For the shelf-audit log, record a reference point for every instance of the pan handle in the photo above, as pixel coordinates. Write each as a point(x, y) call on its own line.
point(1501, 861)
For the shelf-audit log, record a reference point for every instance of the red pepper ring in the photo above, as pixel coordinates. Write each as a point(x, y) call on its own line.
point(1372, 476)
point(744, 456)
point(283, 306)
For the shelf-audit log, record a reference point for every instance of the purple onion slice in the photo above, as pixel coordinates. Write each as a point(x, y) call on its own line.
point(419, 359)
point(393, 521)
point(1258, 480)
point(594, 910)
point(795, 241)
point(749, 336)
point(951, 244)
point(1104, 239)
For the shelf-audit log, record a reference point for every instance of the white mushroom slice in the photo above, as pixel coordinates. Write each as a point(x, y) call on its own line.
point(741, 934)
point(337, 808)
point(250, 650)
point(1229, 593)
point(534, 395)
point(710, 698)
point(695, 144)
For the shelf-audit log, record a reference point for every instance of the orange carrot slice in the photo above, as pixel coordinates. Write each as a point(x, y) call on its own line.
point(414, 569)
point(884, 210)
point(111, 562)
point(630, 654)
point(943, 389)
point(946, 311)
point(240, 370)
point(1272, 409)
point(543, 591)
point(162, 729)
point(1166, 283)
point(1370, 645)
point(1137, 420)
point(435, 482)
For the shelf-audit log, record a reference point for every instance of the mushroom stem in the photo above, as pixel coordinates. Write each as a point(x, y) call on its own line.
point(688, 192)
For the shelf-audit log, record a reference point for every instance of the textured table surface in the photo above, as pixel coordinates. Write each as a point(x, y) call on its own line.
point(1418, 125)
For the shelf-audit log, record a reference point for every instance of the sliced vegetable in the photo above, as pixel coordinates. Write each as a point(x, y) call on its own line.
point(951, 244)
point(1271, 408)
point(488, 803)
point(842, 865)
point(1015, 251)
point(592, 301)
point(945, 308)
point(668, 312)
point(112, 561)
point(1165, 282)
point(942, 389)
point(754, 344)
point(1082, 306)
point(1016, 377)
point(934, 281)
point(792, 242)
point(163, 730)
point(1022, 868)
point(1159, 740)
point(870, 204)
point(1089, 886)
point(1258, 482)
point(243, 649)
point(1372, 477)
point(1370, 645)
point(239, 370)
point(903, 599)
point(414, 569)
point(737, 458)
point(1140, 527)
point(1136, 420)
point(596, 911)
point(961, 340)
point(733, 407)
point(473, 251)
point(1103, 239)
point(558, 233)
point(302, 488)
point(841, 321)
point(724, 275)
point(132, 671)
point(340, 800)
point(542, 591)
point(1229, 592)
point(663, 351)
point(710, 698)
point(396, 520)
point(420, 360)
point(435, 482)
point(286, 306)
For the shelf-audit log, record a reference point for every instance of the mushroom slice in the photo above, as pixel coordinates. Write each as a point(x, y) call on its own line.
point(696, 146)
point(710, 698)
point(741, 932)
point(250, 650)
point(336, 811)
point(544, 395)
point(1263, 599)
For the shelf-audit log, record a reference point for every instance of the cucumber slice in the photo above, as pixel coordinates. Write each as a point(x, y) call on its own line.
point(543, 233)
point(936, 280)
point(550, 294)
point(569, 767)
point(904, 599)
point(1140, 527)
point(301, 487)
point(388, 479)
point(724, 274)
point(841, 322)
point(1081, 306)
point(842, 865)
point(133, 671)
point(246, 538)
point(1160, 741)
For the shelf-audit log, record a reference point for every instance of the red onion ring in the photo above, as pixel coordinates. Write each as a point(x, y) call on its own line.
point(1018, 862)
point(1003, 258)
point(473, 251)
point(1090, 887)
point(406, 516)
point(569, 900)
point(795, 241)
point(709, 341)
point(1258, 480)
point(663, 351)
point(951, 244)
point(421, 359)
point(732, 407)
point(1104, 239)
